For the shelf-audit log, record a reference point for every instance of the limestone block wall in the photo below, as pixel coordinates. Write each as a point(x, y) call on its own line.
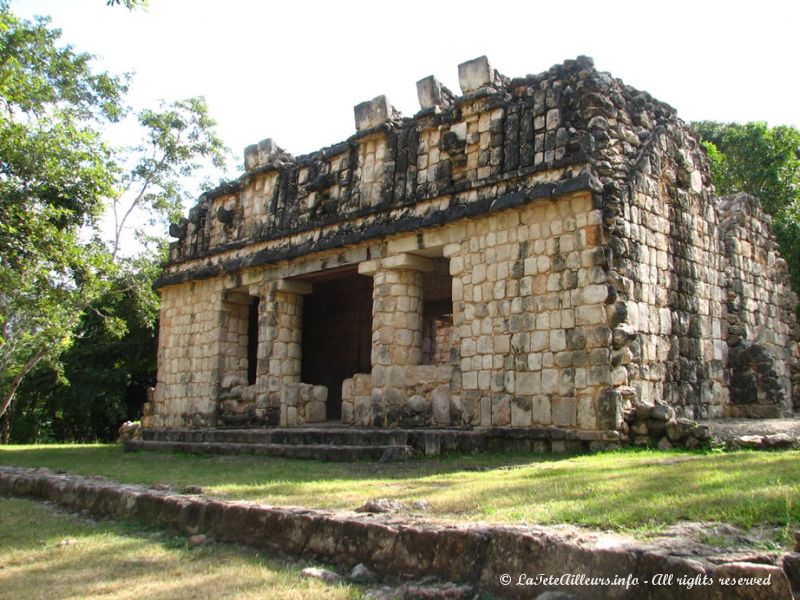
point(530, 324)
point(670, 267)
point(189, 355)
point(530, 342)
point(761, 328)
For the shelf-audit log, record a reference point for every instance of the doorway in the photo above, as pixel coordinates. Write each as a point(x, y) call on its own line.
point(337, 333)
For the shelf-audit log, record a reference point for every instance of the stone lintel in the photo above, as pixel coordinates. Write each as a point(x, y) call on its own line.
point(408, 261)
point(236, 297)
point(259, 154)
point(431, 92)
point(373, 112)
point(368, 267)
point(475, 74)
point(292, 286)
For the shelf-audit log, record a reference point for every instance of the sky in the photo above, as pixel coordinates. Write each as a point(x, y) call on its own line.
point(293, 70)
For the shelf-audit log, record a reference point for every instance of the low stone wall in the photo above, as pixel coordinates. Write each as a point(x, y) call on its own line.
point(402, 396)
point(495, 558)
point(302, 403)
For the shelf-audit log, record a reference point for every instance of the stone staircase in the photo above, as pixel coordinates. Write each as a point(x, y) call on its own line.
point(318, 443)
point(347, 444)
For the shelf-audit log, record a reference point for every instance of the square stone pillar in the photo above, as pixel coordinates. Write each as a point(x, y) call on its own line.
point(396, 308)
point(280, 324)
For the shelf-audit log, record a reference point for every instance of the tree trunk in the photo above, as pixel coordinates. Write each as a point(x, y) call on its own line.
point(5, 428)
point(15, 383)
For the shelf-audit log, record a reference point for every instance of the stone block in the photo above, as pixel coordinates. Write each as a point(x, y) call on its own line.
point(373, 112)
point(305, 393)
point(315, 412)
point(416, 404)
point(440, 401)
point(475, 74)
point(362, 411)
point(290, 394)
point(431, 92)
point(348, 389)
point(587, 416)
point(550, 381)
point(395, 376)
point(564, 411)
point(362, 384)
point(528, 383)
point(609, 410)
point(521, 411)
point(501, 410)
point(319, 393)
point(347, 412)
point(557, 340)
point(423, 373)
point(259, 154)
point(486, 411)
point(540, 410)
point(470, 406)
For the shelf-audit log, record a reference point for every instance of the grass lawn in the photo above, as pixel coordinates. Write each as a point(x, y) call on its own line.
point(46, 554)
point(638, 491)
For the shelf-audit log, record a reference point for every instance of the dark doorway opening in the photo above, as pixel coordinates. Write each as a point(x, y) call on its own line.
point(437, 314)
point(337, 333)
point(252, 340)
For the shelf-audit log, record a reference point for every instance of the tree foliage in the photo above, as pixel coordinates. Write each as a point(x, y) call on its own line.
point(55, 172)
point(74, 313)
point(102, 378)
point(178, 140)
point(763, 161)
point(129, 4)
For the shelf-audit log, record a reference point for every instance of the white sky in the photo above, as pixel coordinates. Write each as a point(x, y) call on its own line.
point(293, 70)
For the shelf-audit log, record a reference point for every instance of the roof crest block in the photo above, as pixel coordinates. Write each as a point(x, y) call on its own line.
point(476, 74)
point(373, 113)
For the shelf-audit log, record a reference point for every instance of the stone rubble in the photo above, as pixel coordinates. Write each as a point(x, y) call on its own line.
point(325, 575)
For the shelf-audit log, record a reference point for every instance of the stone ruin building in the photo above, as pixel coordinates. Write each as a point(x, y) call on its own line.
point(542, 254)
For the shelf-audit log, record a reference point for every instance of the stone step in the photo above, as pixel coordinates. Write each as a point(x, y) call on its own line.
point(424, 441)
point(290, 436)
point(325, 452)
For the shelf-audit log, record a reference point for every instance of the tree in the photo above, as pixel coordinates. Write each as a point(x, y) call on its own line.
point(765, 162)
point(102, 378)
point(55, 172)
point(179, 140)
point(56, 177)
point(129, 4)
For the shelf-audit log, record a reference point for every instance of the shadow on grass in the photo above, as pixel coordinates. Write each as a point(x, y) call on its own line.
point(102, 559)
point(623, 489)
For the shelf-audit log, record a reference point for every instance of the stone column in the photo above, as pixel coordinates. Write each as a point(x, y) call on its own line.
point(396, 309)
point(396, 334)
point(280, 334)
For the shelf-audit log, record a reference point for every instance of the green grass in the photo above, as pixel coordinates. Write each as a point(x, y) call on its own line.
point(637, 491)
point(45, 554)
